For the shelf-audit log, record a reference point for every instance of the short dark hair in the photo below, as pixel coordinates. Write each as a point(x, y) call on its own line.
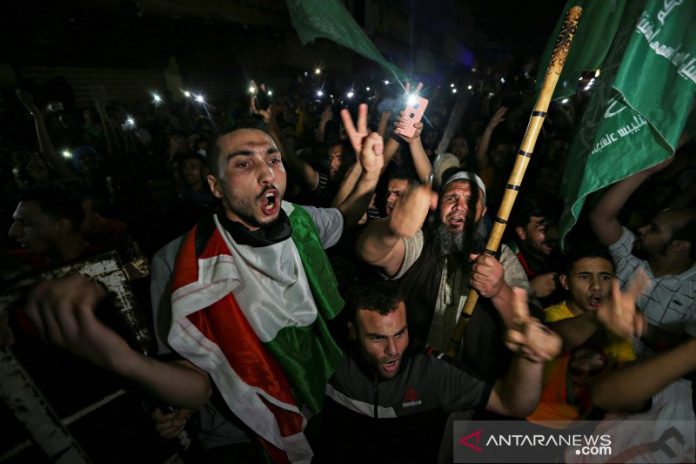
point(380, 296)
point(529, 205)
point(581, 250)
point(59, 200)
point(213, 152)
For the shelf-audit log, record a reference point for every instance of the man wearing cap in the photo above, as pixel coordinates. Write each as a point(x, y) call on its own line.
point(435, 265)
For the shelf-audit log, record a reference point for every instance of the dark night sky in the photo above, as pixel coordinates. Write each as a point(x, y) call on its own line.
point(58, 30)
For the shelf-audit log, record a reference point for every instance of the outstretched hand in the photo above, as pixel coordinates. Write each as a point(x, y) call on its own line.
point(62, 312)
point(266, 114)
point(530, 338)
point(399, 122)
point(356, 135)
point(410, 211)
point(372, 154)
point(498, 117)
point(618, 313)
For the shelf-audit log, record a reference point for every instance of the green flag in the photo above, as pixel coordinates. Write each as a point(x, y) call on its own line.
point(590, 48)
point(331, 20)
point(640, 107)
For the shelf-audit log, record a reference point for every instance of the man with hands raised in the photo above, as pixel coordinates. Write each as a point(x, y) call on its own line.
point(435, 264)
point(248, 310)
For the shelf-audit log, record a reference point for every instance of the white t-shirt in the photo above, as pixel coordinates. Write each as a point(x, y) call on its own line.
point(670, 303)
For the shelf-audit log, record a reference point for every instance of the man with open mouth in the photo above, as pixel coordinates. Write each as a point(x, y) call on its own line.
point(387, 403)
point(591, 347)
point(251, 291)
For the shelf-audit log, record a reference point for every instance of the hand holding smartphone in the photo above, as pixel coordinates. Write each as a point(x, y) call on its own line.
point(412, 114)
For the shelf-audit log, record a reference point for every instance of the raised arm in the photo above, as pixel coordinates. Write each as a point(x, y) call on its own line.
point(628, 388)
point(306, 172)
point(482, 158)
point(617, 313)
point(381, 243)
point(517, 394)
point(420, 158)
point(370, 148)
point(603, 218)
point(113, 142)
point(62, 311)
point(45, 145)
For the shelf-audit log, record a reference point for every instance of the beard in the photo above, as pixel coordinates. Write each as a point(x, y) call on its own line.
point(461, 242)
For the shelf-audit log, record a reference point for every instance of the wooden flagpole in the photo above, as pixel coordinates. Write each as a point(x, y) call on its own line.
point(553, 72)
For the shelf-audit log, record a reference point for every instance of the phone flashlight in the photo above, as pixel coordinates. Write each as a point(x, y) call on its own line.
point(412, 99)
point(199, 98)
point(252, 89)
point(187, 94)
point(317, 71)
point(130, 122)
point(350, 94)
point(454, 90)
point(367, 89)
point(67, 154)
point(156, 99)
point(320, 93)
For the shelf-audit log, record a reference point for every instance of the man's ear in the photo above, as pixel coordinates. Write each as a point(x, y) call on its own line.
point(680, 247)
point(521, 233)
point(215, 187)
point(563, 279)
point(352, 333)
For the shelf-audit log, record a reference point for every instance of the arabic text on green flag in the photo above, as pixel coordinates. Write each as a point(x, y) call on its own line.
point(638, 111)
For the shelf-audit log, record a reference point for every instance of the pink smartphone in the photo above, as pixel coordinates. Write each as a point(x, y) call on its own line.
point(412, 115)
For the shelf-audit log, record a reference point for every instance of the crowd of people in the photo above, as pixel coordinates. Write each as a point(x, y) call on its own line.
point(309, 265)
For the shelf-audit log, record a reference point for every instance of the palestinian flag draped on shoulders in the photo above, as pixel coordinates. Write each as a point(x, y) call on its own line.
point(254, 319)
point(646, 53)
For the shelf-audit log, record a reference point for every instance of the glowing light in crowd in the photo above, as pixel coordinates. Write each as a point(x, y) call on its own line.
point(270, 93)
point(317, 71)
point(252, 89)
point(386, 82)
point(452, 85)
point(156, 99)
point(67, 154)
point(187, 94)
point(367, 89)
point(320, 93)
point(454, 90)
point(130, 122)
point(306, 74)
point(350, 94)
point(469, 86)
point(565, 100)
point(473, 69)
point(597, 73)
point(199, 98)
point(412, 99)
point(502, 80)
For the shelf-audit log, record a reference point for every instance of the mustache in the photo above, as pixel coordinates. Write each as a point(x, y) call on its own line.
point(265, 190)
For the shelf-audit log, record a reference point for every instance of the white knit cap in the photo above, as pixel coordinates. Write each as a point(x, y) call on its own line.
point(464, 175)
